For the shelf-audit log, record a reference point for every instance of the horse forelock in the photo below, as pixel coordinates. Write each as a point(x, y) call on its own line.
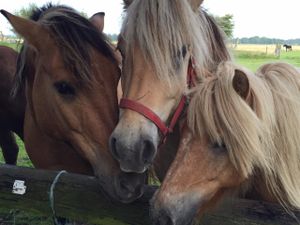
point(74, 35)
point(264, 136)
point(161, 28)
point(218, 111)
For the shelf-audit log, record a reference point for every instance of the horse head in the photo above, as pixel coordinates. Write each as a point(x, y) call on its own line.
point(159, 41)
point(71, 76)
point(220, 147)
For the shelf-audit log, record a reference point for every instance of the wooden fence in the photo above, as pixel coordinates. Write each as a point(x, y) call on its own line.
point(79, 197)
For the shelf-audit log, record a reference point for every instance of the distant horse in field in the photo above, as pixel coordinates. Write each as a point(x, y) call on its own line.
point(70, 77)
point(161, 40)
point(242, 135)
point(12, 110)
point(287, 47)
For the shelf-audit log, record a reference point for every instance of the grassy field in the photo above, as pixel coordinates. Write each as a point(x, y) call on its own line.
point(253, 56)
point(250, 56)
point(11, 45)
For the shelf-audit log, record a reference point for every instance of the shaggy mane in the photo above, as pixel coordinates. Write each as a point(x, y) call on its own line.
point(262, 134)
point(162, 28)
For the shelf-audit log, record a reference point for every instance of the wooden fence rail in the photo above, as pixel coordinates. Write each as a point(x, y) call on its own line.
point(76, 196)
point(79, 197)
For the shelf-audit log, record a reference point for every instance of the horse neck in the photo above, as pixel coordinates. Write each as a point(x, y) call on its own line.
point(15, 106)
point(167, 152)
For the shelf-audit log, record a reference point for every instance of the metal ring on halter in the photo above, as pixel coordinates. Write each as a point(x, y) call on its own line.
point(51, 196)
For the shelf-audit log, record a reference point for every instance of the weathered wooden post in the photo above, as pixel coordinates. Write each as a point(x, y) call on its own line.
point(278, 50)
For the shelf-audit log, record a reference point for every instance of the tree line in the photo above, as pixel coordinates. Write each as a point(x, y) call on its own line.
point(265, 40)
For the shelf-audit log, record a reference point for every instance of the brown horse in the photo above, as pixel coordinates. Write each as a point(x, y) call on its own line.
point(70, 78)
point(12, 108)
point(159, 41)
point(242, 136)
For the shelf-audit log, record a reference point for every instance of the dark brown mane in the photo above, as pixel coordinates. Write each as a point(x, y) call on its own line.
point(75, 36)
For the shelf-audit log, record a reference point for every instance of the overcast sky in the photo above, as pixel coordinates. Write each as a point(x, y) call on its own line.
point(270, 18)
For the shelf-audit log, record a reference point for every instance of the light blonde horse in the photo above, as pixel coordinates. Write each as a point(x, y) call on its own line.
point(158, 41)
point(242, 135)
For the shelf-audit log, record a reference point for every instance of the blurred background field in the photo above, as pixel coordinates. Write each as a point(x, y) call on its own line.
point(253, 56)
point(261, 48)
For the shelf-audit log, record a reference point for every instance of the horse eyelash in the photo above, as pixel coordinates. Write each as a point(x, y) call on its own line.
point(217, 145)
point(65, 88)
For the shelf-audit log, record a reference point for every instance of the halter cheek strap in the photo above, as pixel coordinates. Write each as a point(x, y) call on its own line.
point(152, 116)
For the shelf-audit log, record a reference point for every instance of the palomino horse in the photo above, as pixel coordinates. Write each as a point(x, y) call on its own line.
point(242, 134)
point(160, 40)
point(70, 78)
point(12, 109)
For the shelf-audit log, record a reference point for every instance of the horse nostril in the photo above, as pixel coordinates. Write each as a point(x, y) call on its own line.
point(113, 148)
point(130, 186)
point(148, 151)
point(131, 190)
point(169, 221)
point(138, 190)
point(165, 219)
point(125, 187)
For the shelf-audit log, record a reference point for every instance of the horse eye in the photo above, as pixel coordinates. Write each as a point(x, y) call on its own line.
point(218, 146)
point(184, 51)
point(64, 88)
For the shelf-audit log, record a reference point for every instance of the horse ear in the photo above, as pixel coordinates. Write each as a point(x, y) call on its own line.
point(195, 4)
point(32, 32)
point(98, 21)
point(241, 84)
point(127, 3)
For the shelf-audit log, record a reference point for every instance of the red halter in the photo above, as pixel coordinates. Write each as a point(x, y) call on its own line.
point(149, 114)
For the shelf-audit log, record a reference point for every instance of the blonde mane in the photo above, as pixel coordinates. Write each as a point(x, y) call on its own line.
point(162, 28)
point(262, 133)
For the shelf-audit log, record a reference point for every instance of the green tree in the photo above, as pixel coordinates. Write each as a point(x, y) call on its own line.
point(226, 23)
point(26, 12)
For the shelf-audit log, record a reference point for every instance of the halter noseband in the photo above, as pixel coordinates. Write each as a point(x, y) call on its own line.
point(150, 115)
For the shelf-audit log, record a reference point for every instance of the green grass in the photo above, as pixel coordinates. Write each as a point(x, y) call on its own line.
point(23, 159)
point(15, 46)
point(253, 60)
point(15, 216)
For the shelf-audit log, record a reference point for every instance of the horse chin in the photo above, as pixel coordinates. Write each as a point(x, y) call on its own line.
point(123, 187)
point(129, 186)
